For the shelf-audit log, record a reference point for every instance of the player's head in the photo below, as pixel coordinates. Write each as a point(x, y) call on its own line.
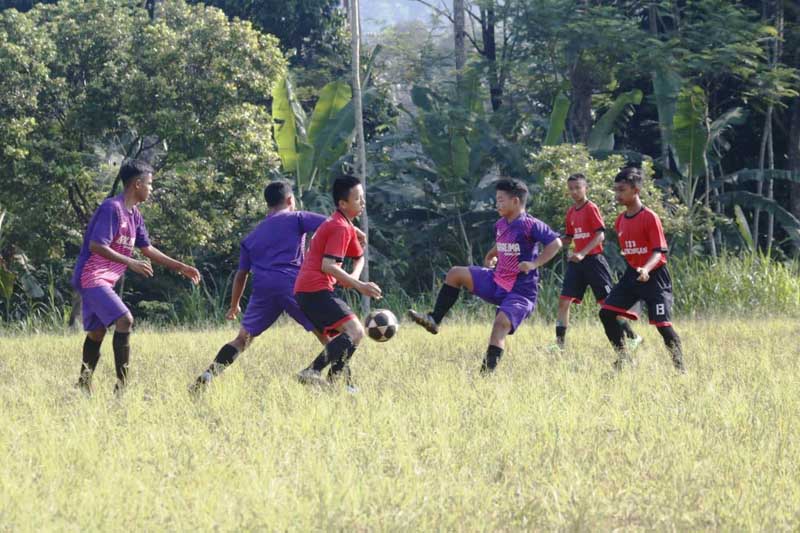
point(137, 177)
point(510, 196)
point(627, 184)
point(278, 195)
point(348, 195)
point(577, 185)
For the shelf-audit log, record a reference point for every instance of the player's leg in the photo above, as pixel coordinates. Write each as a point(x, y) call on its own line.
point(91, 356)
point(622, 297)
point(340, 369)
point(122, 349)
point(572, 290)
point(599, 276)
point(513, 310)
point(456, 279)
point(658, 297)
point(225, 357)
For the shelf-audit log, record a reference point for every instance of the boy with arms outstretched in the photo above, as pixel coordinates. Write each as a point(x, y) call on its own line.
point(273, 252)
point(512, 284)
point(642, 242)
point(115, 228)
point(334, 240)
point(586, 266)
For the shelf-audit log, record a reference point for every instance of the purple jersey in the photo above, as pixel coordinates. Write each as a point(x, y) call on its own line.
point(517, 241)
point(277, 244)
point(117, 227)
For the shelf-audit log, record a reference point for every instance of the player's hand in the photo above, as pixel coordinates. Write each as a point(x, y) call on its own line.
point(362, 237)
point(143, 268)
point(490, 262)
point(575, 257)
point(370, 289)
point(233, 312)
point(190, 272)
point(644, 275)
point(527, 266)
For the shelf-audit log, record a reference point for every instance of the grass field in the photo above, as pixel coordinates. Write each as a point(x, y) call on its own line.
point(550, 442)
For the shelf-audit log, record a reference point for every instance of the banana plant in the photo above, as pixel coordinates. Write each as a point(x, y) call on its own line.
point(309, 146)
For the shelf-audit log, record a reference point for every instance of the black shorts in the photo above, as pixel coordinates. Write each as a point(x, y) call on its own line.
point(655, 292)
point(592, 272)
point(325, 310)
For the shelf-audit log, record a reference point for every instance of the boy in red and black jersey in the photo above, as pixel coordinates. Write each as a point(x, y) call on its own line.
point(642, 242)
point(586, 266)
point(334, 240)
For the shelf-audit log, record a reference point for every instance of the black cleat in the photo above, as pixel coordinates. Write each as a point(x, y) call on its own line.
point(426, 321)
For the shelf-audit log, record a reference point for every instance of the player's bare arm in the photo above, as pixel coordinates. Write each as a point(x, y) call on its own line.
point(548, 253)
point(644, 272)
point(578, 256)
point(490, 260)
point(143, 268)
point(187, 271)
point(333, 268)
point(239, 283)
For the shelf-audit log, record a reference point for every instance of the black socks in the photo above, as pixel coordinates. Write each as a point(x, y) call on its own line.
point(447, 298)
point(493, 355)
point(91, 355)
point(122, 354)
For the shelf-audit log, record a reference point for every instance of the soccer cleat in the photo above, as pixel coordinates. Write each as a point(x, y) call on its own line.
point(119, 389)
point(352, 389)
point(426, 321)
point(677, 362)
point(84, 385)
point(201, 383)
point(555, 349)
point(309, 376)
point(623, 361)
point(634, 342)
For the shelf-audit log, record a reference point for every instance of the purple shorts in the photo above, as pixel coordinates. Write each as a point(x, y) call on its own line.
point(515, 306)
point(101, 307)
point(266, 305)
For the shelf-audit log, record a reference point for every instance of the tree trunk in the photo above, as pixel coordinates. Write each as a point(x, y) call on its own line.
point(794, 154)
point(361, 152)
point(761, 164)
point(488, 24)
point(460, 51)
point(580, 110)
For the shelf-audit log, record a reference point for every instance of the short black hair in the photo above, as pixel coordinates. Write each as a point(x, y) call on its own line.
point(132, 169)
point(514, 188)
point(277, 192)
point(630, 175)
point(342, 187)
point(577, 176)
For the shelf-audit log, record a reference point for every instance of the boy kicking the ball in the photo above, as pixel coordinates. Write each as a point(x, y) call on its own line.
point(586, 266)
point(512, 284)
point(642, 242)
point(322, 269)
point(273, 252)
point(115, 228)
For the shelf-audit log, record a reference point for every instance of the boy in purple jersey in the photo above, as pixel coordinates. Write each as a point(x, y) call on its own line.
point(513, 284)
point(273, 252)
point(115, 228)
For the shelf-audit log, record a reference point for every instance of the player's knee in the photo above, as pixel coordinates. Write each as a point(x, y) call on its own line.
point(354, 330)
point(97, 335)
point(124, 323)
point(501, 321)
point(455, 276)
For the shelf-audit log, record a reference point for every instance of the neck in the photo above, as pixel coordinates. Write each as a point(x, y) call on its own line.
point(514, 216)
point(277, 209)
point(635, 207)
point(344, 214)
point(130, 199)
point(580, 203)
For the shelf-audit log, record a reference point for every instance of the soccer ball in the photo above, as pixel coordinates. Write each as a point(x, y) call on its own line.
point(381, 325)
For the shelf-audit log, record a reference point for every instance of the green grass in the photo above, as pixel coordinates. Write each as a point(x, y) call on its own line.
point(550, 442)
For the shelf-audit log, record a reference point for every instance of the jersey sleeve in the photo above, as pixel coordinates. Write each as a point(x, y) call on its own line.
point(656, 240)
point(106, 224)
point(244, 258)
point(336, 244)
point(596, 219)
point(310, 221)
point(142, 237)
point(541, 232)
point(354, 249)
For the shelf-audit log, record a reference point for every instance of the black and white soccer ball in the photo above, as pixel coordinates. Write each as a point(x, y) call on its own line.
point(381, 325)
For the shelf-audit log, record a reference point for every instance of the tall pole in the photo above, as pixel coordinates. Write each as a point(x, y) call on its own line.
point(361, 151)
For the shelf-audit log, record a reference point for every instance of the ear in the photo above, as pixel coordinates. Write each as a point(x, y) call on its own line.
point(290, 200)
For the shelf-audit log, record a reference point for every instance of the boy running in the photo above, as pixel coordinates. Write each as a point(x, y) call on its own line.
point(642, 242)
point(115, 228)
point(512, 285)
point(273, 252)
point(586, 266)
point(334, 240)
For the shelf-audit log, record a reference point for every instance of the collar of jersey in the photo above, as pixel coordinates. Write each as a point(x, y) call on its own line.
point(635, 214)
